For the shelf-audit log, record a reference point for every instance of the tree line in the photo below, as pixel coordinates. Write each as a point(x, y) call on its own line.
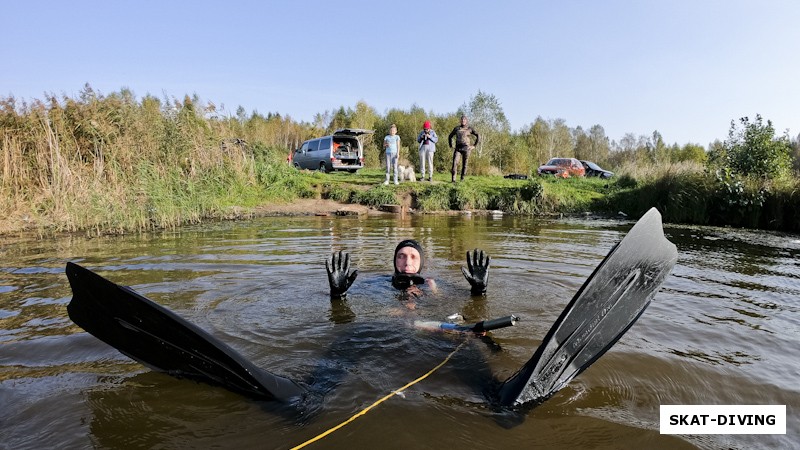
point(503, 150)
point(102, 152)
point(94, 124)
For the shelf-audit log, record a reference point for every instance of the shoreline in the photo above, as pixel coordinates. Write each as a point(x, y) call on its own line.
point(298, 207)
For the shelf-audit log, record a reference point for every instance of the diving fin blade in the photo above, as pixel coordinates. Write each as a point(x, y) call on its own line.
point(163, 341)
point(603, 309)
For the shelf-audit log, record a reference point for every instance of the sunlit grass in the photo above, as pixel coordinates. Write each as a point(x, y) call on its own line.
point(115, 164)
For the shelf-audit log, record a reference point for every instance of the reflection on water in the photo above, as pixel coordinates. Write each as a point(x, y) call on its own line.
point(724, 330)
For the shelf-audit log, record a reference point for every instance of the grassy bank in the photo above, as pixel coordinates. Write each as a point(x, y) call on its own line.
point(151, 197)
point(101, 200)
point(117, 164)
point(685, 193)
point(693, 196)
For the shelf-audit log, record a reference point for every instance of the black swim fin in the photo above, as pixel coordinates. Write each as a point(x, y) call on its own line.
point(604, 308)
point(163, 341)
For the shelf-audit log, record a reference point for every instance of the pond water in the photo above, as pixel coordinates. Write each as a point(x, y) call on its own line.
point(724, 329)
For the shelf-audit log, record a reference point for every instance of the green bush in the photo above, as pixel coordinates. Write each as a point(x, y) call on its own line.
point(434, 198)
point(379, 195)
point(753, 151)
point(738, 200)
point(626, 181)
point(468, 195)
point(532, 190)
point(527, 199)
point(340, 193)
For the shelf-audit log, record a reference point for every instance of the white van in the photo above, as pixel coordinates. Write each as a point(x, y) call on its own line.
point(340, 151)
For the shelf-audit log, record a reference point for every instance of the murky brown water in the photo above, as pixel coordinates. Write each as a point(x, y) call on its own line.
point(725, 329)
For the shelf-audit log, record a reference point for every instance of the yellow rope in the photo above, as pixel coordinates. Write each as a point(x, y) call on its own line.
point(386, 397)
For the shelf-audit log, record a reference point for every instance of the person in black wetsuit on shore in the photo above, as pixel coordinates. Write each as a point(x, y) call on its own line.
point(463, 146)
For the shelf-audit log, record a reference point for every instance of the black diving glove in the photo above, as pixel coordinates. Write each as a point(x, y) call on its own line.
point(478, 273)
point(339, 276)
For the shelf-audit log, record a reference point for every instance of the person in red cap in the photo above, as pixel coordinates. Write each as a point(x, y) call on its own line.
point(409, 261)
point(427, 139)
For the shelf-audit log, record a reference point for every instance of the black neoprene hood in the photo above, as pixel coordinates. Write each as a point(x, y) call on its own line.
point(409, 243)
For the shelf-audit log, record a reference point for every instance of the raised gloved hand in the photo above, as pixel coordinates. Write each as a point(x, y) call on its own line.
point(477, 271)
point(339, 276)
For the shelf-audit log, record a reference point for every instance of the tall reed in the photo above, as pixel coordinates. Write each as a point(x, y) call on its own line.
point(117, 164)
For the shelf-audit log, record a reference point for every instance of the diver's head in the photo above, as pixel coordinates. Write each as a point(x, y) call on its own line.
point(408, 257)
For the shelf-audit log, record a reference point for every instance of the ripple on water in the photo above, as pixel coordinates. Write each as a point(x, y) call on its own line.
point(724, 330)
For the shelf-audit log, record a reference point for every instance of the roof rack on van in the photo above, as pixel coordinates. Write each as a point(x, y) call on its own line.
point(352, 131)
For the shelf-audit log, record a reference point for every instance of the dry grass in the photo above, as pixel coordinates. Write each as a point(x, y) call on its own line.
point(113, 164)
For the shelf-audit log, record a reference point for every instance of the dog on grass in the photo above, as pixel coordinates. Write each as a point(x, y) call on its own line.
point(406, 173)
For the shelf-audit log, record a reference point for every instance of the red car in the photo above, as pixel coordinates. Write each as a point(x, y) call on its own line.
point(563, 168)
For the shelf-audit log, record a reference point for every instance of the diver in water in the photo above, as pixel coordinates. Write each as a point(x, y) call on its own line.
point(408, 264)
point(602, 310)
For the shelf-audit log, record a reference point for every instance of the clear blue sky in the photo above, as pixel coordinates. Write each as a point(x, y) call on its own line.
point(683, 67)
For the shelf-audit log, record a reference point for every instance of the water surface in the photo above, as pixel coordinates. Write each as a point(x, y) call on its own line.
point(725, 329)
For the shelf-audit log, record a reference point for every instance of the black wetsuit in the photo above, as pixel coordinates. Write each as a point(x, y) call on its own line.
point(461, 133)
